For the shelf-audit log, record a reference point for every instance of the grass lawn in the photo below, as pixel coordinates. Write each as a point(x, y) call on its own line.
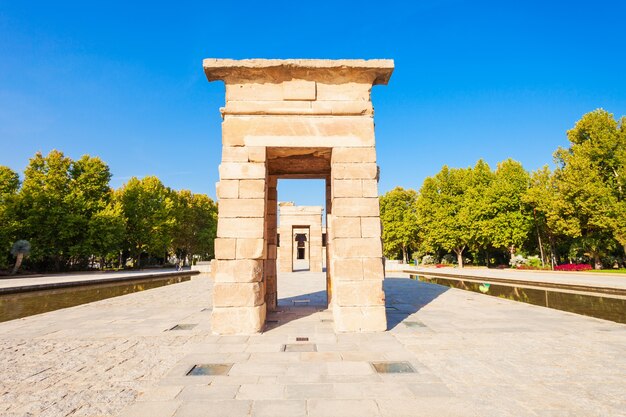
point(610, 271)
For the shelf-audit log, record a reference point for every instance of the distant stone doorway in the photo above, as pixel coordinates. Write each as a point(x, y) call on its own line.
point(303, 226)
point(297, 119)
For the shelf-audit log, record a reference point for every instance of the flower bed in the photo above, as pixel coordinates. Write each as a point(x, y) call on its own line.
point(533, 268)
point(573, 267)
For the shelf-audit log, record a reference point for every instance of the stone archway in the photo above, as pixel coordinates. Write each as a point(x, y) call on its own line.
point(297, 119)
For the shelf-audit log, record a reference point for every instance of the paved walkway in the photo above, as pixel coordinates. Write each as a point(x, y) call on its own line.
point(475, 355)
point(589, 279)
point(40, 282)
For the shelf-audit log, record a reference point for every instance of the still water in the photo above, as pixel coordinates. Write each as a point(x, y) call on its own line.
point(607, 308)
point(15, 306)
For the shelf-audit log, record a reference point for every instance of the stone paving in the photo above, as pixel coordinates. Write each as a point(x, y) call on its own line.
point(474, 355)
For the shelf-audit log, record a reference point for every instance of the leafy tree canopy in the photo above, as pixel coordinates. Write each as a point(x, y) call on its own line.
point(399, 221)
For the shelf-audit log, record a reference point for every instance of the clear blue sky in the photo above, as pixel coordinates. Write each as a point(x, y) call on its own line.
point(473, 79)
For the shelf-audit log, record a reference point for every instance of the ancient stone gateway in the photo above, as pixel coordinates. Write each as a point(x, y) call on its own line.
point(297, 119)
point(300, 237)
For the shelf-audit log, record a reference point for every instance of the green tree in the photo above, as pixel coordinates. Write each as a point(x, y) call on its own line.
point(587, 204)
point(57, 201)
point(146, 206)
point(477, 196)
point(399, 221)
point(90, 198)
point(444, 209)
point(600, 140)
point(9, 186)
point(9, 181)
point(591, 183)
point(195, 225)
point(45, 209)
point(508, 222)
point(542, 198)
point(106, 232)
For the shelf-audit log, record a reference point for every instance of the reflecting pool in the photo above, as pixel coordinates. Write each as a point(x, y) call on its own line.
point(588, 304)
point(15, 306)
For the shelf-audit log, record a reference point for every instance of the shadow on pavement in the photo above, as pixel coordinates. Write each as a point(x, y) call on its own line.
point(406, 296)
point(294, 308)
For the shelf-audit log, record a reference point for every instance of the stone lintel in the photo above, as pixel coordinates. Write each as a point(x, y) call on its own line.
point(374, 71)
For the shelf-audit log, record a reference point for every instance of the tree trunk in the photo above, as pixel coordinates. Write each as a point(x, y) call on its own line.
point(18, 262)
point(597, 263)
point(404, 259)
point(459, 256)
point(552, 251)
point(543, 264)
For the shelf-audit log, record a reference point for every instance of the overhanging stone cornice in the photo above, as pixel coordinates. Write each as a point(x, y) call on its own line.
point(374, 71)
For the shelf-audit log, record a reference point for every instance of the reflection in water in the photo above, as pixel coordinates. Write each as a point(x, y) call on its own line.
point(15, 306)
point(602, 307)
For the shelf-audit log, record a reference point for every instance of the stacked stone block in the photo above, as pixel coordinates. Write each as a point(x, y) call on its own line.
point(357, 264)
point(240, 247)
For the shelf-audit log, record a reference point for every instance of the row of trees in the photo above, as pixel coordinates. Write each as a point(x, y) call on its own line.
point(72, 218)
point(576, 212)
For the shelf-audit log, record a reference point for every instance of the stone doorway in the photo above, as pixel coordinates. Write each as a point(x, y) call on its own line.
point(297, 119)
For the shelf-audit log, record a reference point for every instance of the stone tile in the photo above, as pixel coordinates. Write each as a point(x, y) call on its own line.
point(430, 390)
point(208, 392)
point(279, 408)
point(152, 409)
point(307, 391)
point(160, 393)
point(261, 391)
point(342, 408)
point(320, 357)
point(258, 369)
point(349, 368)
point(216, 408)
point(428, 407)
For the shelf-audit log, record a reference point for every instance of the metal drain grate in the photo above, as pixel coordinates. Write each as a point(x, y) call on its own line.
point(302, 339)
point(300, 347)
point(390, 308)
point(303, 301)
point(210, 369)
point(414, 324)
point(393, 367)
point(326, 320)
point(183, 327)
point(271, 321)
